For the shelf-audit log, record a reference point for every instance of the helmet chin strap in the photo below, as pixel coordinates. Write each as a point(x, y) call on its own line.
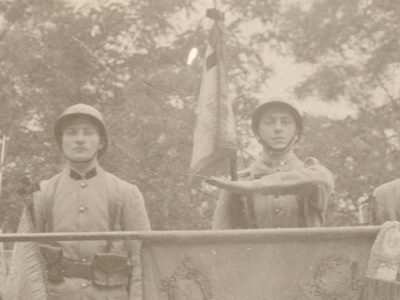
point(90, 159)
point(280, 152)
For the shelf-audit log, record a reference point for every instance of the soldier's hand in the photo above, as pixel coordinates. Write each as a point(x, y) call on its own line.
point(233, 186)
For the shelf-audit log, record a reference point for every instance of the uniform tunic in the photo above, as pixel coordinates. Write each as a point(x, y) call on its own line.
point(386, 203)
point(82, 205)
point(287, 207)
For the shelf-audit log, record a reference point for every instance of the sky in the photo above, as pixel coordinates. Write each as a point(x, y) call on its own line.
point(286, 72)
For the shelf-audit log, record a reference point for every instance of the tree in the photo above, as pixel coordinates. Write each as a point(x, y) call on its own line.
point(128, 60)
point(125, 59)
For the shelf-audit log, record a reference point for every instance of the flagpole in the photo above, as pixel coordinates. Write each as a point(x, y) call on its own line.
point(3, 152)
point(236, 205)
point(233, 167)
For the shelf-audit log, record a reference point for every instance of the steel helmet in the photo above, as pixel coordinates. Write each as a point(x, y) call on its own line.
point(262, 108)
point(81, 110)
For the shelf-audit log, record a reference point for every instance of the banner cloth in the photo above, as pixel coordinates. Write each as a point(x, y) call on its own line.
point(270, 264)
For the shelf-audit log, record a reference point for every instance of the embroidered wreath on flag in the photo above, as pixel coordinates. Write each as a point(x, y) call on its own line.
point(334, 278)
point(186, 283)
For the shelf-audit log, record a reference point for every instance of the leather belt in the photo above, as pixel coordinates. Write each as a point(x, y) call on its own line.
point(77, 269)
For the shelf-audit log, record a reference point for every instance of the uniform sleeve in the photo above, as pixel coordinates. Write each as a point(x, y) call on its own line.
point(314, 183)
point(321, 184)
point(135, 219)
point(315, 203)
point(283, 182)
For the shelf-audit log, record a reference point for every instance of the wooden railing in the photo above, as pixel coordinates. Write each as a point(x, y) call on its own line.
point(279, 234)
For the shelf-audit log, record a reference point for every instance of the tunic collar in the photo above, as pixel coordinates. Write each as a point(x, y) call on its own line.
point(280, 161)
point(267, 164)
point(75, 175)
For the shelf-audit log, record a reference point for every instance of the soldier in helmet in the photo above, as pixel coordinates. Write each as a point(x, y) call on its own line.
point(279, 189)
point(84, 198)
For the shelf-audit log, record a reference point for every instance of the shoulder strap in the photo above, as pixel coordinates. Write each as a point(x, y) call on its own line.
point(114, 203)
point(114, 207)
point(49, 190)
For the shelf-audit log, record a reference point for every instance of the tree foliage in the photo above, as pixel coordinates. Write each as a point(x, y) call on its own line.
point(127, 58)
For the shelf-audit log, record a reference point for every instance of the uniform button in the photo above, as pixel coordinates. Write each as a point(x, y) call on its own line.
point(82, 208)
point(84, 260)
point(83, 184)
point(84, 285)
point(277, 210)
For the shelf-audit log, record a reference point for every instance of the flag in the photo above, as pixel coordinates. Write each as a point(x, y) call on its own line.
point(259, 264)
point(382, 276)
point(26, 279)
point(215, 140)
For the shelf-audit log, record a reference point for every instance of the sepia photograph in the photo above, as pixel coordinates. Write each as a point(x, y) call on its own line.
point(199, 150)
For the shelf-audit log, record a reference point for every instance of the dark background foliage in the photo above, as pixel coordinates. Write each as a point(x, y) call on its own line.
point(128, 60)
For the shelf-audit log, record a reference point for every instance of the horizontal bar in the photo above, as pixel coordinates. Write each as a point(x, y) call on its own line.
point(214, 236)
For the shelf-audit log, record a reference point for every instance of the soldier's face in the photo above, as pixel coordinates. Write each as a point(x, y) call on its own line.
point(277, 128)
point(81, 140)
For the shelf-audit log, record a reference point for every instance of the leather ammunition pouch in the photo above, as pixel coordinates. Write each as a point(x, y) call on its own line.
point(111, 269)
point(77, 269)
point(107, 270)
point(53, 257)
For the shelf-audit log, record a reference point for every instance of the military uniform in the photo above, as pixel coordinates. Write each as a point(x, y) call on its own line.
point(299, 197)
point(385, 203)
point(88, 201)
point(69, 202)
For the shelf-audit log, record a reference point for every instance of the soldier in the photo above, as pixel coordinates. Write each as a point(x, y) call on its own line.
point(384, 204)
point(278, 190)
point(84, 198)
